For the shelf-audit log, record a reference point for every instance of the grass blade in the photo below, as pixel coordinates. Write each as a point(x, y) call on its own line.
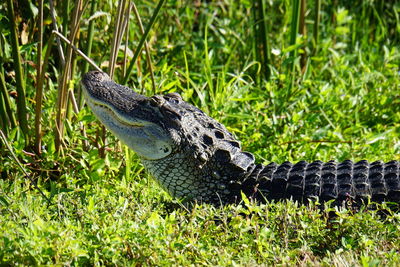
point(88, 49)
point(126, 47)
point(118, 29)
point(3, 137)
point(91, 62)
point(55, 27)
point(146, 47)
point(21, 102)
point(142, 40)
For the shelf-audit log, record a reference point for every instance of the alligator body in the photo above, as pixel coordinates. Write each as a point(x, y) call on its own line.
point(196, 158)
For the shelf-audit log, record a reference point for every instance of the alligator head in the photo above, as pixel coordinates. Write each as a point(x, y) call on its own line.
point(190, 154)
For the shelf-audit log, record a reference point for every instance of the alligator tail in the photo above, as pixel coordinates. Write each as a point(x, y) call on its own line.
point(345, 181)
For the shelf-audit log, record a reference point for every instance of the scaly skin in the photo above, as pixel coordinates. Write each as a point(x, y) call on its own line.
point(196, 158)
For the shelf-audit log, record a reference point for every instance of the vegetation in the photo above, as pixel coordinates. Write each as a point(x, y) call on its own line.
point(292, 82)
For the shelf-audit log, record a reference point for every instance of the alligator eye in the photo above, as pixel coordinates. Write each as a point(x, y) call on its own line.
point(156, 101)
point(174, 97)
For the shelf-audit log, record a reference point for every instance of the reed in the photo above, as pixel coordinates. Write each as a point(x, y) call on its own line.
point(146, 47)
point(55, 28)
point(5, 105)
point(142, 40)
point(117, 34)
point(303, 33)
point(317, 19)
point(19, 75)
point(261, 48)
point(88, 48)
point(62, 98)
point(39, 83)
point(4, 123)
point(294, 29)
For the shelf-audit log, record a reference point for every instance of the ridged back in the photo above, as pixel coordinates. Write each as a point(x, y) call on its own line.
point(345, 181)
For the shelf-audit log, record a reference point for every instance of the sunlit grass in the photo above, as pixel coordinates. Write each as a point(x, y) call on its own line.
point(108, 211)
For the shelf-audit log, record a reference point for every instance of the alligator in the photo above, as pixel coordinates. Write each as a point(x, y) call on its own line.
point(196, 159)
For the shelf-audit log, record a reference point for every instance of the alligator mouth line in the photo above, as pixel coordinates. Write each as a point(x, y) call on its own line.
point(121, 120)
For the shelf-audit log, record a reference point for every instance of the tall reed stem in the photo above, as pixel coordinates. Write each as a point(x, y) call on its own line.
point(142, 40)
point(317, 18)
point(89, 44)
point(303, 32)
point(3, 116)
point(261, 46)
point(294, 29)
point(39, 89)
point(8, 115)
point(62, 99)
point(146, 47)
point(21, 102)
point(118, 30)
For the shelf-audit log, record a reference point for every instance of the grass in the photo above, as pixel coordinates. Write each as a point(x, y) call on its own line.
point(108, 211)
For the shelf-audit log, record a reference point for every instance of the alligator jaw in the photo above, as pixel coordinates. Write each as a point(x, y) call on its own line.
point(128, 115)
point(99, 106)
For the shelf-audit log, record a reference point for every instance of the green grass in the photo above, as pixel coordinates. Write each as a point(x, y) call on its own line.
point(108, 211)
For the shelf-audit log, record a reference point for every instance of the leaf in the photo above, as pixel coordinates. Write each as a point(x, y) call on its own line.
point(4, 201)
point(341, 30)
point(342, 16)
point(377, 137)
point(245, 199)
point(91, 203)
point(154, 220)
